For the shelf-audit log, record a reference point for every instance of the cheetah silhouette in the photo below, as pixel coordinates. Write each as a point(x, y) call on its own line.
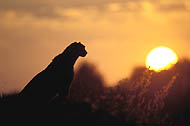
point(56, 78)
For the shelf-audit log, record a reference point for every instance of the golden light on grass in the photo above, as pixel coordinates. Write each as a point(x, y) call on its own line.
point(161, 58)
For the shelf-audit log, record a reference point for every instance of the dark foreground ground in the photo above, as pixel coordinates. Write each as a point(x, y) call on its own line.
point(64, 113)
point(61, 113)
point(146, 98)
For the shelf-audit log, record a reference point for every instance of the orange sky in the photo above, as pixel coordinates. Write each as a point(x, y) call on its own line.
point(118, 34)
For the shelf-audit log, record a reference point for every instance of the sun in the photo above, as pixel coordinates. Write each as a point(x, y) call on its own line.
point(161, 58)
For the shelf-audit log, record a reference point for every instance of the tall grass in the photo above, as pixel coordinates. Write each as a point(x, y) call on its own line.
point(131, 100)
point(138, 106)
point(141, 100)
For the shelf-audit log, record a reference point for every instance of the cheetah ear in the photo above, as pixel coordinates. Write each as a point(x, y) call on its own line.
point(79, 43)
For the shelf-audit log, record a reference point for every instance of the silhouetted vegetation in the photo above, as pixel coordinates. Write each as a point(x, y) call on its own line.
point(147, 98)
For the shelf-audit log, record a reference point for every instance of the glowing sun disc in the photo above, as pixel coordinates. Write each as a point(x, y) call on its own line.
point(161, 58)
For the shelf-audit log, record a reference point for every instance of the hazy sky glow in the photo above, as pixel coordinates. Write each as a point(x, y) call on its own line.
point(118, 34)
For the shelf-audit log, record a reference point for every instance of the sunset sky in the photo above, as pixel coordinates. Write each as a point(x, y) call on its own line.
point(118, 34)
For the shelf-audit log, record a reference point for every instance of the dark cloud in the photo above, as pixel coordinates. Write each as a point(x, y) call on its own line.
point(48, 8)
point(35, 8)
point(173, 7)
point(21, 4)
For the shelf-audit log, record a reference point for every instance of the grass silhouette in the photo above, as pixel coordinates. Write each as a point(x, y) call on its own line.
point(147, 98)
